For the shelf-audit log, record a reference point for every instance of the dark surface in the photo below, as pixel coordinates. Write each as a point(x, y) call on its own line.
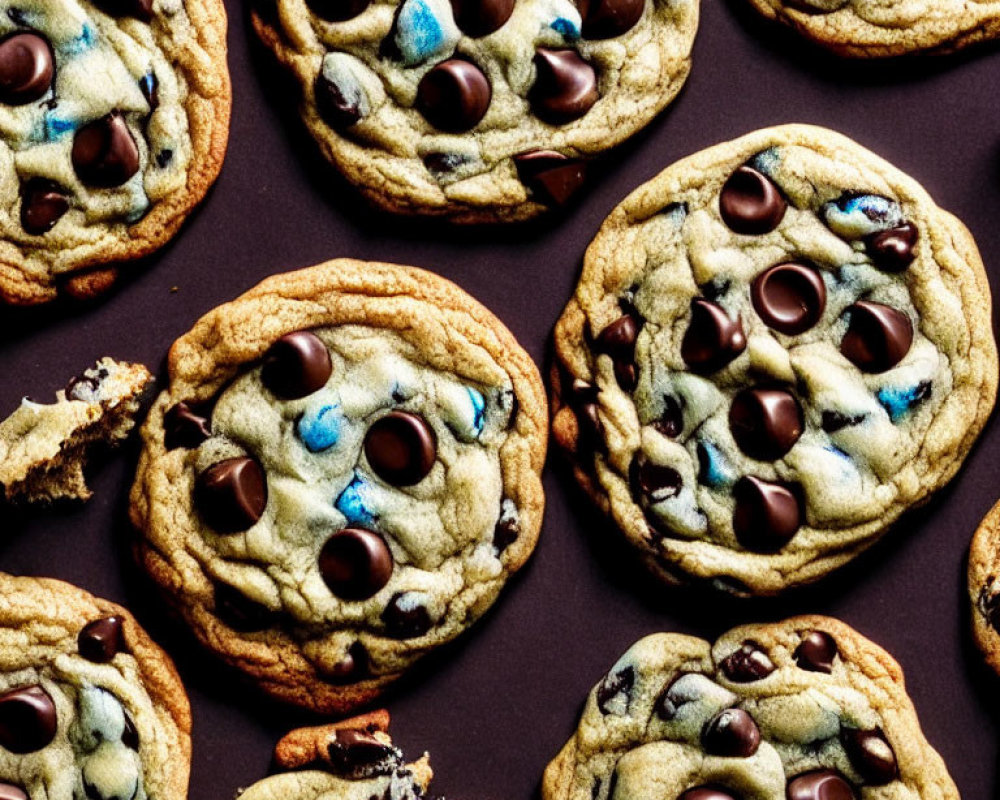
point(494, 708)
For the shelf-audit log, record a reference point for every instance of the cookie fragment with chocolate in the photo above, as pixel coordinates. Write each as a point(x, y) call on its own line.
point(777, 347)
point(44, 447)
point(984, 586)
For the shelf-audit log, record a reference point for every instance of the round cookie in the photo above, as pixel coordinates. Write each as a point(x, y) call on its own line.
point(777, 346)
point(341, 476)
point(477, 110)
point(89, 705)
point(867, 29)
point(984, 588)
point(114, 117)
point(805, 709)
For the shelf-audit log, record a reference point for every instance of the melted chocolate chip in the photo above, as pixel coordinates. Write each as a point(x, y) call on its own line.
point(454, 95)
point(789, 297)
point(731, 733)
point(184, 427)
point(337, 110)
point(878, 337)
point(767, 515)
point(231, 495)
point(816, 652)
point(750, 202)
point(356, 751)
point(748, 663)
point(708, 793)
point(615, 683)
point(101, 639)
point(355, 563)
point(605, 19)
point(353, 665)
point(833, 421)
point(765, 423)
point(140, 9)
point(870, 754)
point(712, 339)
point(104, 152)
point(8, 791)
point(656, 481)
point(618, 341)
point(405, 621)
point(27, 719)
point(337, 10)
point(481, 17)
point(892, 250)
point(26, 68)
point(296, 365)
point(130, 734)
point(670, 701)
point(565, 87)
point(822, 784)
point(505, 533)
point(552, 177)
point(239, 612)
point(401, 448)
point(43, 204)
point(671, 421)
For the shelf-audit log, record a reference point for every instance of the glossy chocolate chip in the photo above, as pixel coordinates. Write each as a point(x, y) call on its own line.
point(712, 339)
point(615, 683)
point(767, 515)
point(454, 95)
point(750, 202)
point(130, 734)
point(27, 719)
point(892, 250)
point(878, 336)
point(401, 448)
point(140, 9)
point(231, 495)
point(26, 68)
point(656, 481)
point(355, 752)
point(104, 152)
point(708, 793)
point(404, 620)
point(748, 663)
point(870, 754)
point(355, 563)
point(184, 427)
point(506, 532)
point(790, 298)
point(618, 341)
point(336, 109)
point(822, 784)
point(565, 87)
point(605, 19)
point(671, 422)
point(43, 204)
point(296, 365)
point(731, 733)
point(101, 639)
point(552, 177)
point(337, 10)
point(353, 665)
point(8, 791)
point(765, 423)
point(239, 612)
point(816, 652)
point(481, 17)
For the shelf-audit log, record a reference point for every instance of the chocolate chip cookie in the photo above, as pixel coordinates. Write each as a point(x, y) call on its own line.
point(341, 476)
point(114, 116)
point(777, 346)
point(477, 110)
point(89, 705)
point(984, 586)
point(805, 709)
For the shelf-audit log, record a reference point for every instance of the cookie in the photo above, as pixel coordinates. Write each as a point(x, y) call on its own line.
point(114, 116)
point(864, 29)
point(777, 346)
point(805, 709)
point(984, 586)
point(44, 447)
point(350, 760)
point(89, 705)
point(477, 110)
point(341, 476)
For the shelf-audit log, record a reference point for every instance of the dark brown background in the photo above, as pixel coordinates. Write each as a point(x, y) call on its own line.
point(494, 708)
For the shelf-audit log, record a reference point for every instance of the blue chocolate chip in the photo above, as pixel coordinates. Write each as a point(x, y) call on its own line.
point(353, 504)
point(319, 427)
point(57, 127)
point(567, 28)
point(420, 34)
point(478, 409)
point(712, 468)
point(898, 401)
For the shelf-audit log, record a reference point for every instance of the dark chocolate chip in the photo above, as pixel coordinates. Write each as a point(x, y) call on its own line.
point(878, 336)
point(481, 17)
point(356, 752)
point(833, 421)
point(150, 88)
point(296, 365)
point(552, 177)
point(750, 202)
point(140, 9)
point(870, 754)
point(731, 733)
point(656, 481)
point(454, 95)
point(626, 375)
point(615, 683)
point(708, 793)
point(82, 388)
point(241, 613)
point(17, 16)
point(748, 663)
point(618, 341)
point(130, 734)
point(789, 297)
point(767, 515)
point(231, 495)
point(27, 719)
point(671, 421)
point(8, 791)
point(26, 68)
point(821, 784)
point(105, 153)
point(712, 339)
point(401, 448)
point(405, 623)
point(337, 111)
point(765, 423)
point(353, 665)
point(816, 652)
point(43, 204)
point(101, 639)
point(184, 427)
point(605, 19)
point(670, 701)
point(164, 157)
point(337, 10)
point(565, 86)
point(892, 250)
point(355, 563)
point(505, 533)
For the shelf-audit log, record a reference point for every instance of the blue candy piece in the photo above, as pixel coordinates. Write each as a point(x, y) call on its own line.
point(478, 410)
point(425, 29)
point(319, 427)
point(353, 503)
point(712, 468)
point(853, 216)
point(567, 28)
point(57, 127)
point(897, 401)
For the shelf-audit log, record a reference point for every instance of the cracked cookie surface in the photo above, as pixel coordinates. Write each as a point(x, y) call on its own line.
point(805, 709)
point(777, 346)
point(477, 110)
point(341, 476)
point(114, 116)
